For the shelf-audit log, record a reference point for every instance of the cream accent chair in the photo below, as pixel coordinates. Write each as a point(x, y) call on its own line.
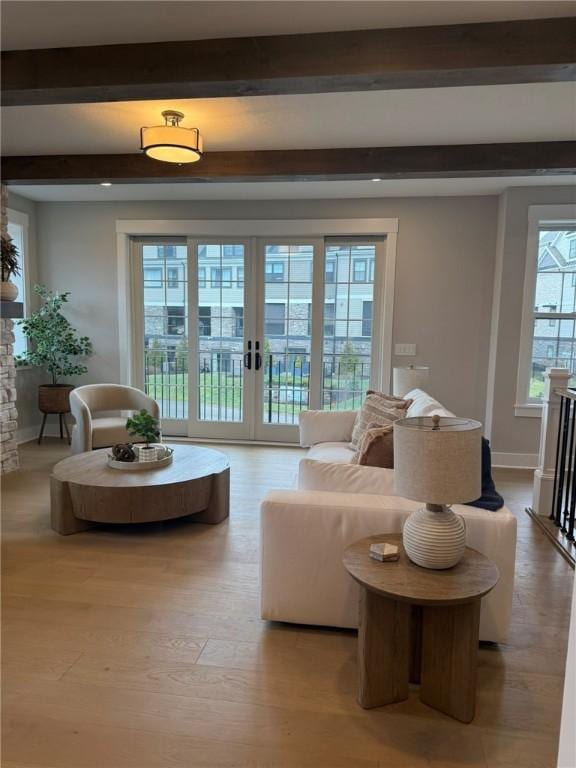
point(94, 431)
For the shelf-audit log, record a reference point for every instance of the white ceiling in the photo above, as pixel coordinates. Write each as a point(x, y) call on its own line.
point(310, 190)
point(46, 24)
point(483, 114)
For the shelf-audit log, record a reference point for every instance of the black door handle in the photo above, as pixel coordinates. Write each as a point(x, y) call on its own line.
point(248, 357)
point(257, 358)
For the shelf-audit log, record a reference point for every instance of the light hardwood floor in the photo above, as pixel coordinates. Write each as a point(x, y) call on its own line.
point(137, 647)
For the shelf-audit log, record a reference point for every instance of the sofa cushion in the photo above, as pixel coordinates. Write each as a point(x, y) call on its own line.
point(375, 410)
point(344, 478)
point(109, 430)
point(376, 448)
point(424, 404)
point(325, 426)
point(338, 453)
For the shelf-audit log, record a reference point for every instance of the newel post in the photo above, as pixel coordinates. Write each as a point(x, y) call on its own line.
point(555, 378)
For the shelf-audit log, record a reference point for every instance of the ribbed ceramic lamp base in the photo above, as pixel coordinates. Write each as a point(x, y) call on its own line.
point(434, 537)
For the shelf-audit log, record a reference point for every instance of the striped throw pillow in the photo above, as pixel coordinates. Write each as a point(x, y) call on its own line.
point(375, 411)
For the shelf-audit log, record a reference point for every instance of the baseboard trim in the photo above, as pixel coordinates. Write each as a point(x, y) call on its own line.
point(27, 434)
point(514, 460)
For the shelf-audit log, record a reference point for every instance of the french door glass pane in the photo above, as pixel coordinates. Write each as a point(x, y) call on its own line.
point(287, 331)
point(165, 275)
point(348, 315)
point(220, 328)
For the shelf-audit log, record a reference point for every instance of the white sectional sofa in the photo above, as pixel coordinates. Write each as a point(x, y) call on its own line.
point(305, 531)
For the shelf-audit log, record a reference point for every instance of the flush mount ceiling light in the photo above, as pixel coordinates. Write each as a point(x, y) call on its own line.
point(170, 142)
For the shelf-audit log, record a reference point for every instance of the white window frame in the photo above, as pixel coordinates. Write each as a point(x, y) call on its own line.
point(200, 228)
point(23, 220)
point(539, 217)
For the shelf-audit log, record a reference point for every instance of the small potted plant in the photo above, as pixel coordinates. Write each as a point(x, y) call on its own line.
point(53, 346)
point(144, 426)
point(10, 267)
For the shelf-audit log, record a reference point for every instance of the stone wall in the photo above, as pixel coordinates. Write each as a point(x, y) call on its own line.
point(8, 412)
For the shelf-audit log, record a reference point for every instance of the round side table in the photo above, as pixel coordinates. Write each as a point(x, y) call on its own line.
point(420, 626)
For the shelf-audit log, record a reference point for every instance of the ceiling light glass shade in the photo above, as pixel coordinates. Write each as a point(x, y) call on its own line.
point(172, 143)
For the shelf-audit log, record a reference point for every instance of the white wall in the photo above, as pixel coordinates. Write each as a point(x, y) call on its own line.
point(443, 284)
point(510, 433)
point(567, 747)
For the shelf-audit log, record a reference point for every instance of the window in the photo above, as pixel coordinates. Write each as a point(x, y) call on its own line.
point(175, 321)
point(572, 249)
point(274, 271)
point(238, 329)
point(221, 276)
point(275, 324)
point(153, 277)
point(240, 277)
point(551, 308)
point(366, 318)
point(201, 277)
point(17, 230)
point(204, 321)
point(359, 273)
point(223, 362)
point(330, 271)
point(549, 290)
point(172, 277)
point(233, 251)
point(329, 319)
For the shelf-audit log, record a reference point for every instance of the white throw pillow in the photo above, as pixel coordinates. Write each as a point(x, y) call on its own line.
point(424, 404)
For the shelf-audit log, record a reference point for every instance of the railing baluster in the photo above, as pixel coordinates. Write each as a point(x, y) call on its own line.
point(570, 532)
point(558, 447)
point(568, 485)
point(561, 464)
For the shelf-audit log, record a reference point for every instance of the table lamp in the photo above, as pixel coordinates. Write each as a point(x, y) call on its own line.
point(408, 378)
point(436, 460)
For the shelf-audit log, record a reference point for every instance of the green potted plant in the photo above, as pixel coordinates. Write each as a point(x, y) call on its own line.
point(144, 426)
point(54, 345)
point(10, 267)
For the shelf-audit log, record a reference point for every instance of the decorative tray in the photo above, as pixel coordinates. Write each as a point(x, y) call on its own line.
point(135, 466)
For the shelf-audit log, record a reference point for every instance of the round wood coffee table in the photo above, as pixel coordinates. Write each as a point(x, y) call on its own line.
point(418, 625)
point(84, 490)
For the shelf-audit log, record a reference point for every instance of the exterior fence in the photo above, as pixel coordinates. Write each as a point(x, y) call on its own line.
point(285, 384)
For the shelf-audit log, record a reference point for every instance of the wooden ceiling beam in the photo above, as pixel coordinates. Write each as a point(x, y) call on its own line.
point(540, 50)
point(458, 161)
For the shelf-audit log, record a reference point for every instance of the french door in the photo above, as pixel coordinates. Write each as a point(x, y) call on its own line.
point(235, 336)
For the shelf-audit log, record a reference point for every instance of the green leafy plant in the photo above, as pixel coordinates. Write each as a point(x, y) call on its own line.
point(144, 425)
point(154, 356)
point(9, 259)
point(54, 343)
